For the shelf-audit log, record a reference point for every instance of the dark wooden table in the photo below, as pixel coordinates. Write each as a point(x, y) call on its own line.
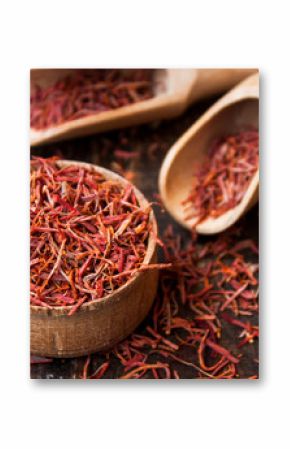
point(151, 141)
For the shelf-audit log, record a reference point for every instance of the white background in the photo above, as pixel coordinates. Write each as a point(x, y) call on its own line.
point(70, 414)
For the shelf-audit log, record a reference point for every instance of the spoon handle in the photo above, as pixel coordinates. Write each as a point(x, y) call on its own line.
point(214, 81)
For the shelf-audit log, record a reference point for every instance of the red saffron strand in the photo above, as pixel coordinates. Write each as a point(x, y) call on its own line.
point(157, 350)
point(89, 235)
point(224, 176)
point(86, 92)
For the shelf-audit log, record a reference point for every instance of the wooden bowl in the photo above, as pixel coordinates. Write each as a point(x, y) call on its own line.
point(99, 324)
point(174, 91)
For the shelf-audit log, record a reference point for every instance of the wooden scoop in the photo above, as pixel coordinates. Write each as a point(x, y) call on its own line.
point(236, 110)
point(174, 89)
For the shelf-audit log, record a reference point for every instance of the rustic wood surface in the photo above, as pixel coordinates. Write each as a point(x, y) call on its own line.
point(151, 142)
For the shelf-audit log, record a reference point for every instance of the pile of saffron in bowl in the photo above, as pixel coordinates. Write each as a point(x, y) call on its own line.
point(89, 234)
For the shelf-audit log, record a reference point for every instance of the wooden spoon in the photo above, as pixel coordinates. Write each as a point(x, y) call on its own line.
point(174, 89)
point(237, 109)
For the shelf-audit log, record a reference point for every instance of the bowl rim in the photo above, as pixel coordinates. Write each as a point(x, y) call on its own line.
point(150, 252)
